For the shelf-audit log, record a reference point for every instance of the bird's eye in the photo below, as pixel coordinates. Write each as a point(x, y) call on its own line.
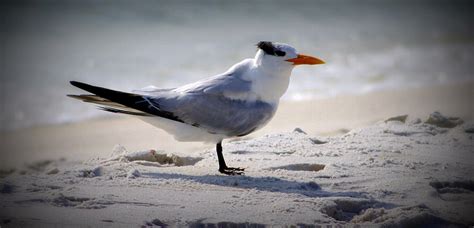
point(280, 53)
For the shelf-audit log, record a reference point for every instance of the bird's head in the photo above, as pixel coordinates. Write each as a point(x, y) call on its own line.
point(282, 56)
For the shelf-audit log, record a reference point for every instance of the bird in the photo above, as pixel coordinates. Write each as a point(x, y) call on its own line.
point(233, 104)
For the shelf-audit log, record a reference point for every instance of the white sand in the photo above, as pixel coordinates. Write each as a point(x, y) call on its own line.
point(379, 173)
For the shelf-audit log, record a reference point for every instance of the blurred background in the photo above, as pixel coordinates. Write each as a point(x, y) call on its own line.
point(368, 46)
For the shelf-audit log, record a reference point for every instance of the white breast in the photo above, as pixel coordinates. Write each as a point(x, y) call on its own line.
point(268, 85)
point(270, 88)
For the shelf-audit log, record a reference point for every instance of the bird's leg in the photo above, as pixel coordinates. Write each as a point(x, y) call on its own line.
point(223, 167)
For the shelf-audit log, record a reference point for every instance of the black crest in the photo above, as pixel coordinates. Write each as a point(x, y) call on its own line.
point(269, 49)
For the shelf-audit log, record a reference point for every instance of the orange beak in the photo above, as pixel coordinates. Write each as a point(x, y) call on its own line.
point(305, 59)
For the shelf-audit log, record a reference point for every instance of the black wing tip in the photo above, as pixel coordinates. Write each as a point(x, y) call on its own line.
point(134, 101)
point(78, 84)
point(89, 88)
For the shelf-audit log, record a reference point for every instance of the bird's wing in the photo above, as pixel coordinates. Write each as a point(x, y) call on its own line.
point(223, 104)
point(212, 112)
point(216, 113)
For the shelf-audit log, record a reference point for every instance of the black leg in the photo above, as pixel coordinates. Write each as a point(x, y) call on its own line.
point(223, 167)
point(222, 164)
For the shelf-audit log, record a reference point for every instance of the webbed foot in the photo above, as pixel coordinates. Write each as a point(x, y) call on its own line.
point(232, 171)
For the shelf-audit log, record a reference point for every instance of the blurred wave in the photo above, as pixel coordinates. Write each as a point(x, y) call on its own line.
point(368, 45)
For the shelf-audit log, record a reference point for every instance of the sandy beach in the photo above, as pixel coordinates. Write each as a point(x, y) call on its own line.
point(381, 135)
point(347, 163)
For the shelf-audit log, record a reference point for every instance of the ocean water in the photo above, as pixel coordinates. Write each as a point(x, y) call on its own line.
point(368, 45)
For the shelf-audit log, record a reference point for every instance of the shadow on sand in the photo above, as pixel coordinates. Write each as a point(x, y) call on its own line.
point(269, 184)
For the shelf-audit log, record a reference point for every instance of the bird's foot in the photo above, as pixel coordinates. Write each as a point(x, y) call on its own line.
point(232, 171)
point(235, 168)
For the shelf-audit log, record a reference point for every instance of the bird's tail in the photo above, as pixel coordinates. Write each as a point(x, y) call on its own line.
point(110, 100)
